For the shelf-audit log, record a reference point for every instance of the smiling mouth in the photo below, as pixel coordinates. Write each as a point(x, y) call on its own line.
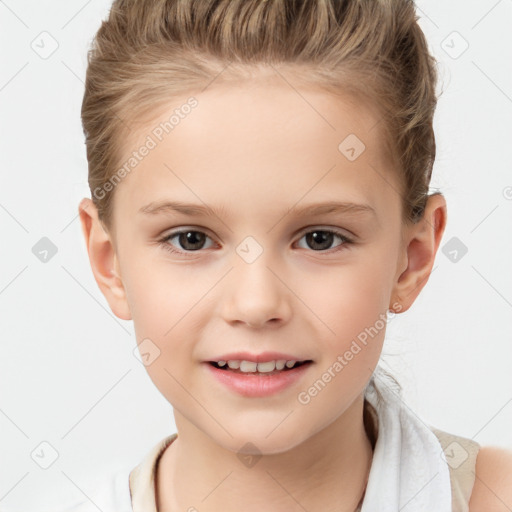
point(250, 368)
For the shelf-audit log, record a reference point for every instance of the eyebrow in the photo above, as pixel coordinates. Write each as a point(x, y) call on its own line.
point(196, 210)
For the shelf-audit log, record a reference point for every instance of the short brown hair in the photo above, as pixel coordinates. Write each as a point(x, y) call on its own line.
point(146, 51)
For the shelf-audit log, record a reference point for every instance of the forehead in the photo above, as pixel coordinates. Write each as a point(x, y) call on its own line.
point(257, 140)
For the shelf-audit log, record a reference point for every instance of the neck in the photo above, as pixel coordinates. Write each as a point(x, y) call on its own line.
point(327, 472)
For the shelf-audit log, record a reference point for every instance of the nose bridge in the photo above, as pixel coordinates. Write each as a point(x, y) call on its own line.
point(254, 294)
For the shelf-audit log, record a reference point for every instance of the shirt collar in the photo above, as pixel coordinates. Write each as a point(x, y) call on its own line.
point(142, 478)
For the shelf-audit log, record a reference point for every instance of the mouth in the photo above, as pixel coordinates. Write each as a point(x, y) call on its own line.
point(258, 375)
point(263, 368)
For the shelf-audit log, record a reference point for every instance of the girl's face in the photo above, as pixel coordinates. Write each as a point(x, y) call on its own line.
point(261, 270)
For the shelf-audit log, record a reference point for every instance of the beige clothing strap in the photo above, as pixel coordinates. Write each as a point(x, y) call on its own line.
point(143, 481)
point(460, 453)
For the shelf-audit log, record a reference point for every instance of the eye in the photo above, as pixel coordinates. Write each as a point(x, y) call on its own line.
point(322, 239)
point(189, 240)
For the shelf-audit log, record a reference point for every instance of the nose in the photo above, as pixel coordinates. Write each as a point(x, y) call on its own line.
point(255, 295)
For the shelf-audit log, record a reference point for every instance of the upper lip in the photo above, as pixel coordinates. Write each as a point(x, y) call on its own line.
point(262, 357)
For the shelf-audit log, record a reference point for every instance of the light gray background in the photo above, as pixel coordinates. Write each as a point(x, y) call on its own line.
point(68, 375)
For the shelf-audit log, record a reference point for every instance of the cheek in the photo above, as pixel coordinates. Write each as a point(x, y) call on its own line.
point(165, 300)
point(351, 297)
point(164, 306)
point(350, 343)
point(160, 293)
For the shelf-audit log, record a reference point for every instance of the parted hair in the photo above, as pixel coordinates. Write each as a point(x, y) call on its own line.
point(147, 51)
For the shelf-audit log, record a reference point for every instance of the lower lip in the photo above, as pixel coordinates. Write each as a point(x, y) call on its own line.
point(258, 384)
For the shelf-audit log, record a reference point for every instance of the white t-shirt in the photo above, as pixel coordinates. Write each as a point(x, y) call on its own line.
point(111, 494)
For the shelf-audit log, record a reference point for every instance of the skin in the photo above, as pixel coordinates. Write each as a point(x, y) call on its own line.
point(256, 152)
point(492, 490)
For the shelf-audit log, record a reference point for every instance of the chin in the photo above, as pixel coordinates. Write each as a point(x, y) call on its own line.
point(257, 441)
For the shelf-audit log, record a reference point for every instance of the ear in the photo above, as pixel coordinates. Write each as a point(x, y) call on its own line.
point(421, 241)
point(103, 259)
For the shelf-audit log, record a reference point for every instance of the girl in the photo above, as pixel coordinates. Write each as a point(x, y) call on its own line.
point(259, 172)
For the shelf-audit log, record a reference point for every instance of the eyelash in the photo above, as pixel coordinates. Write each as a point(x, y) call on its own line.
point(164, 241)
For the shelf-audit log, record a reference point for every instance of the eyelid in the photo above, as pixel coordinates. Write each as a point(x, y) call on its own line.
point(164, 239)
point(177, 231)
point(184, 229)
point(312, 227)
point(349, 235)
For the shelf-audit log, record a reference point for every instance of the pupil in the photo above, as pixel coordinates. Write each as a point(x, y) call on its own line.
point(315, 238)
point(188, 238)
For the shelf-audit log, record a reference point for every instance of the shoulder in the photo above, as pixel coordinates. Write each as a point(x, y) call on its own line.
point(492, 491)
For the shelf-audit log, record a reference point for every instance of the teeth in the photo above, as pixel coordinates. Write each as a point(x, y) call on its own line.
point(248, 366)
point(251, 367)
point(280, 364)
point(269, 366)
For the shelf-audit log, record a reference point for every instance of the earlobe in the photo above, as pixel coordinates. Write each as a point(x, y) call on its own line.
point(103, 259)
point(420, 248)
